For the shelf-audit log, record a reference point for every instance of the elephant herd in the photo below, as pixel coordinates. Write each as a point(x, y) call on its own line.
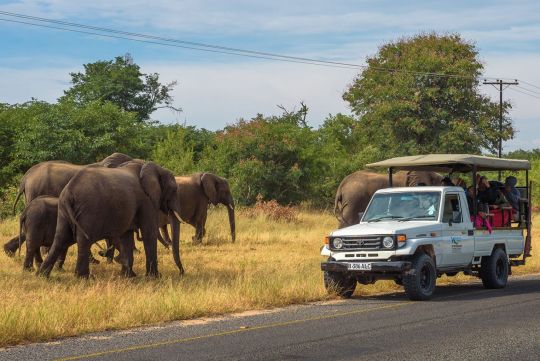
point(115, 199)
point(121, 198)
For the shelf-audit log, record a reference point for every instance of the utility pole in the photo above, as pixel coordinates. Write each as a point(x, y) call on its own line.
point(500, 84)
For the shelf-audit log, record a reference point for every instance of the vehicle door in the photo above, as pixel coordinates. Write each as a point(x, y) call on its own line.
point(458, 241)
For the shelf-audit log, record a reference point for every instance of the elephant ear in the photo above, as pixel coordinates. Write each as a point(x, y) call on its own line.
point(150, 181)
point(412, 179)
point(209, 186)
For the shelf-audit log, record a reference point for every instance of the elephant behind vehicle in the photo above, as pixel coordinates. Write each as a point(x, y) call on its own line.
point(356, 190)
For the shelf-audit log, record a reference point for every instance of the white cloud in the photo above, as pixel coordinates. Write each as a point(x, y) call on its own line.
point(215, 95)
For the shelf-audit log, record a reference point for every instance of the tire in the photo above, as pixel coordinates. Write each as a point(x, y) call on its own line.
point(339, 283)
point(419, 282)
point(494, 269)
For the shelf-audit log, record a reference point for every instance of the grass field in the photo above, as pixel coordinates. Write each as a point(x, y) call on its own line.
point(271, 264)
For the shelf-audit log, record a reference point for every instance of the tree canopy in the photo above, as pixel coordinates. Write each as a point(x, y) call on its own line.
point(405, 111)
point(122, 83)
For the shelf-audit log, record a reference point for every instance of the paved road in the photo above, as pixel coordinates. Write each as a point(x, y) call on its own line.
point(463, 322)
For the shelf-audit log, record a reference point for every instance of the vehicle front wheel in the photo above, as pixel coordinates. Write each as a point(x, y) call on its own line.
point(339, 283)
point(494, 269)
point(419, 281)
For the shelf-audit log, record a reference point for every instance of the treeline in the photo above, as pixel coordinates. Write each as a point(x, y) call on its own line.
point(278, 157)
point(402, 111)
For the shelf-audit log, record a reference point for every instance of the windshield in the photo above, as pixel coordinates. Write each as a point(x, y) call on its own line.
point(403, 206)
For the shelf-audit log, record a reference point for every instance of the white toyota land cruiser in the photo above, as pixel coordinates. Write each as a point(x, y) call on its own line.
point(415, 234)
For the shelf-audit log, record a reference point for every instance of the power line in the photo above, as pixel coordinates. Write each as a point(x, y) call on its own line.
point(208, 47)
point(159, 38)
point(524, 82)
point(522, 92)
point(529, 90)
point(166, 44)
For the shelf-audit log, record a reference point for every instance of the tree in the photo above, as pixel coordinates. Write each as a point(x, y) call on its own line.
point(122, 83)
point(404, 110)
point(182, 149)
point(78, 134)
point(275, 157)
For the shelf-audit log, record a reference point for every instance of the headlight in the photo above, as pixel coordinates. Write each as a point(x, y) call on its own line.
point(388, 242)
point(337, 243)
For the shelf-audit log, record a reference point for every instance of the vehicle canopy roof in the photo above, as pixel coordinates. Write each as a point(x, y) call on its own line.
point(451, 163)
point(420, 189)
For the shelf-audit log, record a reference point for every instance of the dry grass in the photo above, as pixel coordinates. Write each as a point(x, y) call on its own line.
point(273, 263)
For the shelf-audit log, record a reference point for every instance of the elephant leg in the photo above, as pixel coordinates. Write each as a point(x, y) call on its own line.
point(199, 227)
point(82, 267)
point(62, 259)
point(12, 245)
point(127, 244)
point(150, 250)
point(32, 248)
point(38, 259)
point(62, 239)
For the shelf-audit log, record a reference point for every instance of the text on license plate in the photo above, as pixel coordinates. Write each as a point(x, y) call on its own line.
point(359, 266)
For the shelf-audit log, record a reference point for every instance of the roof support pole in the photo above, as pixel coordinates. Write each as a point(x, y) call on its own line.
point(390, 183)
point(475, 185)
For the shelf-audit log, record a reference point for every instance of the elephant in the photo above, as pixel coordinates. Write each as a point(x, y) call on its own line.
point(195, 193)
point(113, 203)
point(38, 225)
point(356, 190)
point(49, 178)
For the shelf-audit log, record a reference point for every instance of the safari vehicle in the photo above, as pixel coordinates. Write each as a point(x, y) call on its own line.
point(413, 235)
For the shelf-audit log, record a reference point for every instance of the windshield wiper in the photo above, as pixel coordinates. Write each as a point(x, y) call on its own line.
point(415, 217)
point(384, 217)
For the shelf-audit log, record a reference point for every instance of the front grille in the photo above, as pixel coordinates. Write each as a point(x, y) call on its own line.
point(362, 243)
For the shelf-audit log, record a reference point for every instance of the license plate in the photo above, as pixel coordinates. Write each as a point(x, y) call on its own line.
point(359, 266)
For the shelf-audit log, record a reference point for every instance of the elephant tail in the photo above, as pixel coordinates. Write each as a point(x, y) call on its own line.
point(19, 193)
point(22, 221)
point(64, 206)
point(339, 206)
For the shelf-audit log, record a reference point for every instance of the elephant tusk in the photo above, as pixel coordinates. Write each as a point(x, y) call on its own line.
point(231, 207)
point(177, 216)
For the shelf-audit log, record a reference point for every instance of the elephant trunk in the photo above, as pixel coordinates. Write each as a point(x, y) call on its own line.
point(174, 219)
point(230, 209)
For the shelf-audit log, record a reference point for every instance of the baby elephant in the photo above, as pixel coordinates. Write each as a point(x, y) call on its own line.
point(38, 226)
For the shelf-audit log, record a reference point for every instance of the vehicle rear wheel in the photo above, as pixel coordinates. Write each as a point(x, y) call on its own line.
point(494, 269)
point(419, 282)
point(339, 283)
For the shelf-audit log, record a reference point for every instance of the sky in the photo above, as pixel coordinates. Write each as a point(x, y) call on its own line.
point(216, 89)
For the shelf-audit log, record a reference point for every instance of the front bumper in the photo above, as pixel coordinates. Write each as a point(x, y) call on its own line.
point(376, 267)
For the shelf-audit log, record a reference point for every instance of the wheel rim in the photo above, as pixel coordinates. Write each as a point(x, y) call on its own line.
point(425, 277)
point(500, 269)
